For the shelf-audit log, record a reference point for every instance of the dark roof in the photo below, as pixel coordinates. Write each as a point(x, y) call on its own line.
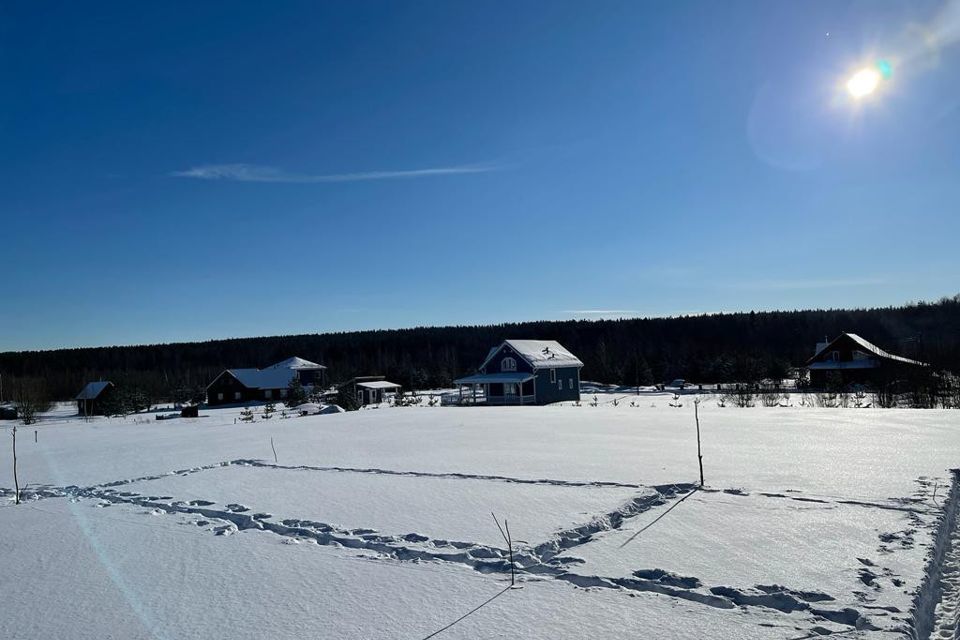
point(93, 390)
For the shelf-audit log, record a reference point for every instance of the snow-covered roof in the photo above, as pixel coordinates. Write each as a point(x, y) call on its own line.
point(93, 390)
point(378, 384)
point(867, 346)
point(276, 376)
point(488, 378)
point(264, 378)
point(296, 363)
point(540, 353)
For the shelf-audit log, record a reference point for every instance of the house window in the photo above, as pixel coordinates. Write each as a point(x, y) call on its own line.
point(236, 395)
point(553, 375)
point(360, 396)
point(571, 382)
point(835, 356)
point(219, 396)
point(283, 393)
point(509, 389)
point(268, 394)
point(560, 384)
point(508, 364)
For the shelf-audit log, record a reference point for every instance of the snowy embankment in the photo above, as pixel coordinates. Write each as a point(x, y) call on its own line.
point(376, 524)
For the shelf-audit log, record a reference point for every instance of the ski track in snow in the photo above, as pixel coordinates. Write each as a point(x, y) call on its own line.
point(935, 614)
point(936, 607)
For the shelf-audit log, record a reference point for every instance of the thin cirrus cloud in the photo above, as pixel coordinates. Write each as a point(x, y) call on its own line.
point(258, 173)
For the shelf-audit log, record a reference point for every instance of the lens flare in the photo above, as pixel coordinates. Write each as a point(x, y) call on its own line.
point(863, 82)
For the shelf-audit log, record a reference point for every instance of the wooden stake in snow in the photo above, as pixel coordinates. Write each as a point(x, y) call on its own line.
point(509, 541)
point(696, 415)
point(16, 483)
point(274, 450)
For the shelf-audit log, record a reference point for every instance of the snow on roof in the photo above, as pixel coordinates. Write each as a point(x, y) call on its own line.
point(264, 378)
point(487, 378)
point(378, 384)
point(93, 389)
point(540, 353)
point(869, 347)
point(296, 363)
point(276, 376)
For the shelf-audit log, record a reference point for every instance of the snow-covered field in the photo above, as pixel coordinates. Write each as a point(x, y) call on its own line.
point(377, 524)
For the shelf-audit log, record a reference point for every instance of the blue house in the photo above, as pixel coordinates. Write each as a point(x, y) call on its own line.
point(524, 372)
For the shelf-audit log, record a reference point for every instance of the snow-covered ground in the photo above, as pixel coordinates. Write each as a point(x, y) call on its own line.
point(377, 524)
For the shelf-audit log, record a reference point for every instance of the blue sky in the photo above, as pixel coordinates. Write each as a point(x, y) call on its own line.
point(181, 171)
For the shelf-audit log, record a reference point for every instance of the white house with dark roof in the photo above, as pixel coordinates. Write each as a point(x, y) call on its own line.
point(234, 386)
point(524, 372)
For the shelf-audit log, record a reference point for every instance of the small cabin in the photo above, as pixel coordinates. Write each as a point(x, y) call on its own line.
point(849, 359)
point(370, 389)
point(523, 372)
point(94, 398)
point(237, 386)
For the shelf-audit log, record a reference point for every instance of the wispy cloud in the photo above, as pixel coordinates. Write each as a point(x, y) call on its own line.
point(258, 173)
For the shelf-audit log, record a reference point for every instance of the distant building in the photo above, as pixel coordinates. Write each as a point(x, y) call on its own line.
point(8, 412)
point(525, 372)
point(849, 359)
point(369, 389)
point(94, 398)
point(235, 386)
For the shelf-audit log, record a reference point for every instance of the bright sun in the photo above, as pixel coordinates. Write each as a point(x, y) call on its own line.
point(863, 83)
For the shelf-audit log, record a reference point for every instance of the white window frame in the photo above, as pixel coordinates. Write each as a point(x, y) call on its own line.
point(508, 364)
point(553, 376)
point(571, 384)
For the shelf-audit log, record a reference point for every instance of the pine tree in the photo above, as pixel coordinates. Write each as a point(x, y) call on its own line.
point(268, 410)
point(296, 393)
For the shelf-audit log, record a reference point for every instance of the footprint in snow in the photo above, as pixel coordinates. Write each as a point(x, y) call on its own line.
point(200, 503)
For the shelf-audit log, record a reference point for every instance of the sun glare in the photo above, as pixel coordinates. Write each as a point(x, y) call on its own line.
point(863, 82)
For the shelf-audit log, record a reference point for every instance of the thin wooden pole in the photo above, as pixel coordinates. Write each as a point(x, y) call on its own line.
point(696, 415)
point(506, 526)
point(16, 483)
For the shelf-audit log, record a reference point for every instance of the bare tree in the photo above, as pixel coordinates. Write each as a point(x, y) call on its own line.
point(30, 399)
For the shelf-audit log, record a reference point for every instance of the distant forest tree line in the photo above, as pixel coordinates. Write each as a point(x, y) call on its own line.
point(719, 348)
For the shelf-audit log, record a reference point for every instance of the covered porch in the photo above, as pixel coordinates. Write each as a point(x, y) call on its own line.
point(497, 389)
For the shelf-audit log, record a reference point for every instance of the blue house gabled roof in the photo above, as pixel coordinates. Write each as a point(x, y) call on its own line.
point(539, 354)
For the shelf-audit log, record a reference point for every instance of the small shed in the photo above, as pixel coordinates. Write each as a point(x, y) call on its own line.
point(370, 389)
point(92, 398)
